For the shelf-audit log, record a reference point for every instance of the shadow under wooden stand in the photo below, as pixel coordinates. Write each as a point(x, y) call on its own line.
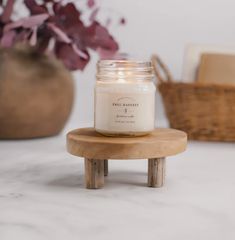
point(97, 149)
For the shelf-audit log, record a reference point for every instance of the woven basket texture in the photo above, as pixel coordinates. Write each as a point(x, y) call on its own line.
point(204, 111)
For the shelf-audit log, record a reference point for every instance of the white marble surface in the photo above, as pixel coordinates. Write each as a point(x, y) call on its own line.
point(42, 195)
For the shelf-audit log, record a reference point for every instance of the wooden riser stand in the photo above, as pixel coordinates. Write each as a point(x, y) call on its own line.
point(96, 170)
point(97, 149)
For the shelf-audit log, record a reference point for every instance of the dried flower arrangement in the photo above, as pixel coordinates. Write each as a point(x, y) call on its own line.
point(57, 27)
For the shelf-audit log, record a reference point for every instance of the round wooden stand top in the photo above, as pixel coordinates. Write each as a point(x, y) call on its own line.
point(162, 142)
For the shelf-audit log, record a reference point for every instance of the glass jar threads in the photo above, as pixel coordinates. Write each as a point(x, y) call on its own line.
point(124, 98)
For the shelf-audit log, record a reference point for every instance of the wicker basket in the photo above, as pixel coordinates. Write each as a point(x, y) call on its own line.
point(204, 111)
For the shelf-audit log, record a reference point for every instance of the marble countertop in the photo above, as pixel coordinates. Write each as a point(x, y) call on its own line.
point(42, 195)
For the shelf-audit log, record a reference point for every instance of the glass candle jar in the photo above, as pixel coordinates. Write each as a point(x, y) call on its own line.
point(124, 98)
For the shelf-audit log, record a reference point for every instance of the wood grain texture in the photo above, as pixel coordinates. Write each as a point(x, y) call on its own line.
point(94, 173)
point(156, 172)
point(85, 142)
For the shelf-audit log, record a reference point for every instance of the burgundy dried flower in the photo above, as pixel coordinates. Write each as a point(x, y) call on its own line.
point(91, 3)
point(61, 23)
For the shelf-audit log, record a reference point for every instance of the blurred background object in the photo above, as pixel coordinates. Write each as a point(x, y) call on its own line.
point(36, 94)
point(204, 108)
point(37, 91)
point(216, 68)
point(192, 57)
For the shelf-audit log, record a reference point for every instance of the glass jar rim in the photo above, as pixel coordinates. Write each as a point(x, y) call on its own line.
point(125, 64)
point(124, 69)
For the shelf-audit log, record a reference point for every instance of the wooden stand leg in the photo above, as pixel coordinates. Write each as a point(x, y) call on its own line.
point(94, 173)
point(156, 172)
point(106, 168)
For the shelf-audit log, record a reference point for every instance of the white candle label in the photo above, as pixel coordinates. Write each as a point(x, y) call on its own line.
point(125, 112)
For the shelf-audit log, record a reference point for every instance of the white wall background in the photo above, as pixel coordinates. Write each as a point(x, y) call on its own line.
point(163, 27)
